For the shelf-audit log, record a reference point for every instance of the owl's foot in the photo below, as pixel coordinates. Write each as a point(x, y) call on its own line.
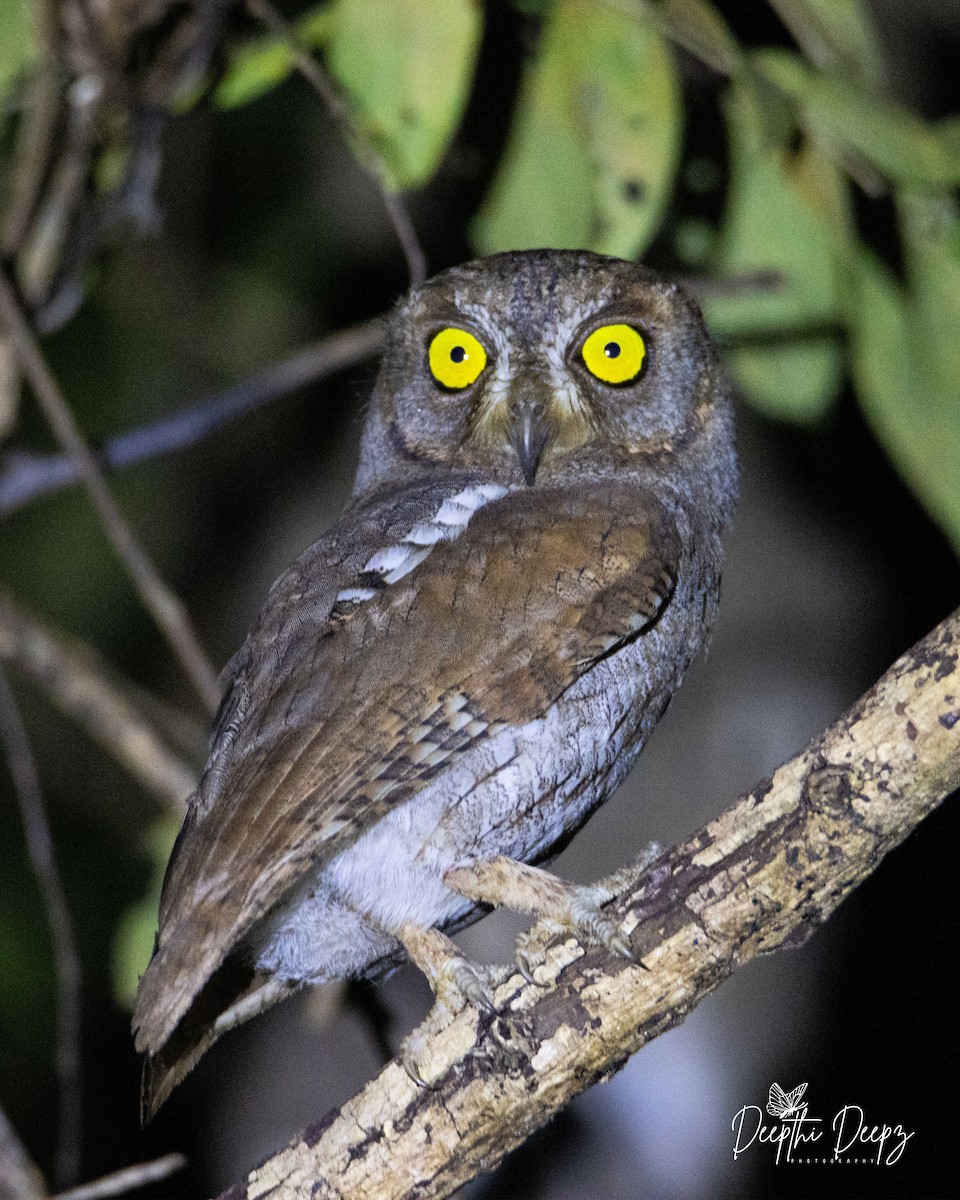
point(571, 907)
point(454, 981)
point(449, 974)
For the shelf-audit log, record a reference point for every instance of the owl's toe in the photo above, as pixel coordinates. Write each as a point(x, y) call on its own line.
point(456, 983)
point(572, 907)
point(525, 960)
point(471, 981)
point(591, 924)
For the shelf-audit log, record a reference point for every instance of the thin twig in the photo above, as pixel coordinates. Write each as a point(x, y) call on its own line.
point(26, 475)
point(33, 815)
point(746, 283)
point(78, 682)
point(159, 600)
point(119, 1182)
point(20, 1177)
point(406, 234)
point(315, 75)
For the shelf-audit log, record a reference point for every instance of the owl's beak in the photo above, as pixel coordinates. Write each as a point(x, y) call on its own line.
point(529, 434)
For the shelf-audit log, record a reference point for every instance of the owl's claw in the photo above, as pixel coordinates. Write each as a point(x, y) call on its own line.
point(522, 959)
point(467, 979)
point(455, 983)
point(619, 945)
point(408, 1064)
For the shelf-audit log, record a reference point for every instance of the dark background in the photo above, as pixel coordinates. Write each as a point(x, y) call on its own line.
point(271, 236)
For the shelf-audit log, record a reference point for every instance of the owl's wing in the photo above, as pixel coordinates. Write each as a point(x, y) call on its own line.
point(365, 687)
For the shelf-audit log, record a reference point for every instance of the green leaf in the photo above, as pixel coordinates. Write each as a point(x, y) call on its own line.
point(133, 940)
point(899, 145)
point(593, 152)
point(905, 355)
point(17, 43)
point(260, 64)
point(699, 28)
point(787, 214)
point(255, 68)
point(405, 69)
point(837, 35)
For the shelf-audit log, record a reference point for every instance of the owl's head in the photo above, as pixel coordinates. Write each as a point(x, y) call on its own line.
point(540, 367)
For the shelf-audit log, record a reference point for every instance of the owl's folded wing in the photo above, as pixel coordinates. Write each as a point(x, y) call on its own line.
point(374, 696)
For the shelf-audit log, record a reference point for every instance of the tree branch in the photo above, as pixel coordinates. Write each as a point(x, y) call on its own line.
point(78, 683)
point(159, 600)
point(764, 874)
point(20, 1177)
point(33, 816)
point(26, 475)
point(117, 1183)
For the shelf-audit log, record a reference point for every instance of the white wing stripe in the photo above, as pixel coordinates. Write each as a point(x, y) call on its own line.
point(449, 521)
point(414, 557)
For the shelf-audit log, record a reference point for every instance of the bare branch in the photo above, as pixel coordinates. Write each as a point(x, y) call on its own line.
point(33, 815)
point(315, 75)
point(745, 283)
point(119, 1182)
point(762, 875)
point(159, 600)
point(20, 1177)
point(26, 476)
point(78, 682)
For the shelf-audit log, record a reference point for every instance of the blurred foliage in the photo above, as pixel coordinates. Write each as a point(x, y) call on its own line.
point(16, 41)
point(838, 35)
point(785, 213)
point(404, 88)
point(592, 155)
point(582, 139)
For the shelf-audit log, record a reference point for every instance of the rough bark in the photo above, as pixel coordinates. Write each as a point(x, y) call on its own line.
point(764, 874)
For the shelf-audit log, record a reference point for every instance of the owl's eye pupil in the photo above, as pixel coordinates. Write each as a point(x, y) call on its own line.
point(612, 350)
point(458, 354)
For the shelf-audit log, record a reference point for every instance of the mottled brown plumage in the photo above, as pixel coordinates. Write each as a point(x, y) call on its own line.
point(466, 664)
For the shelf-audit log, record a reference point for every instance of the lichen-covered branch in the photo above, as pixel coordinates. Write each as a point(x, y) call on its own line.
point(763, 874)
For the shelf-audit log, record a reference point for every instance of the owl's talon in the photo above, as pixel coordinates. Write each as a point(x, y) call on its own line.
point(523, 966)
point(575, 908)
point(619, 945)
point(474, 989)
point(412, 1070)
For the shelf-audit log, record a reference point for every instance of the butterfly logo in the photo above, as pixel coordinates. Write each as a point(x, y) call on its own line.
point(785, 1104)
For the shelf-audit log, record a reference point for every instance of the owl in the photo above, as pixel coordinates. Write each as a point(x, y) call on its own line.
point(443, 688)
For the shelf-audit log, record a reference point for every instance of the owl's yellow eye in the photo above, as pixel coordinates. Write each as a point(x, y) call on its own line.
point(615, 353)
point(456, 358)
